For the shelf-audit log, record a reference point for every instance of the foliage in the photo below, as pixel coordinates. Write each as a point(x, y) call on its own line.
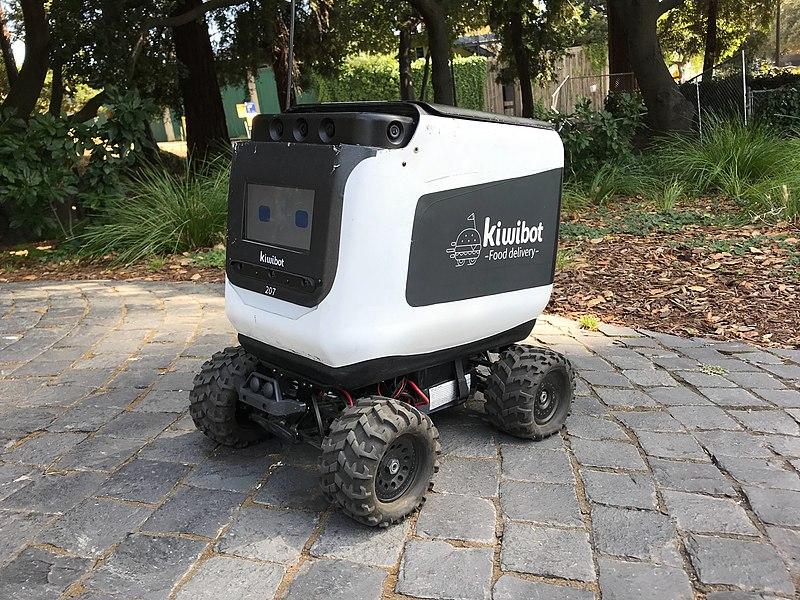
point(752, 164)
point(470, 79)
point(51, 167)
point(589, 322)
point(593, 138)
point(682, 32)
point(161, 213)
point(780, 107)
point(376, 77)
point(214, 258)
point(94, 40)
point(547, 29)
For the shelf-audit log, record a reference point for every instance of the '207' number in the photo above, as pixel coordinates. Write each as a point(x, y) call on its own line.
point(270, 291)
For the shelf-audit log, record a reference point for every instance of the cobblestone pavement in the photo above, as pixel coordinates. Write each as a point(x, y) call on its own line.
point(677, 476)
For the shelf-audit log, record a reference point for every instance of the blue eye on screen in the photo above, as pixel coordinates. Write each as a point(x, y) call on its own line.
point(301, 219)
point(263, 213)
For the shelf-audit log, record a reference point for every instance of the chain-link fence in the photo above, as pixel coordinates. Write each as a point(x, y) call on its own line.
point(720, 92)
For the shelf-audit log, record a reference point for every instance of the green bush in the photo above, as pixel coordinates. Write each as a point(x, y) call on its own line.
point(51, 168)
point(593, 138)
point(377, 77)
point(779, 107)
point(752, 164)
point(162, 212)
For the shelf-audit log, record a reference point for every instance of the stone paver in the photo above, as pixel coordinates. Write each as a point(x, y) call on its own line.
point(547, 552)
point(688, 479)
point(439, 570)
point(456, 517)
point(225, 577)
point(723, 561)
point(334, 579)
point(635, 490)
point(621, 580)
point(704, 514)
point(509, 587)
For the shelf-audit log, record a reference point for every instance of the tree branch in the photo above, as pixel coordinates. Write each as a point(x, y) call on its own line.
point(89, 110)
point(174, 21)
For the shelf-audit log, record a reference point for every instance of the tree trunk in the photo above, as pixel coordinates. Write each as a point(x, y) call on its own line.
point(404, 61)
point(710, 55)
point(57, 91)
point(667, 109)
point(25, 92)
point(778, 62)
point(9, 61)
point(521, 62)
point(619, 61)
point(206, 129)
point(439, 46)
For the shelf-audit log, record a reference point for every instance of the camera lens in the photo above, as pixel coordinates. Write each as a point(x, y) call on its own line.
point(395, 131)
point(276, 129)
point(327, 130)
point(300, 129)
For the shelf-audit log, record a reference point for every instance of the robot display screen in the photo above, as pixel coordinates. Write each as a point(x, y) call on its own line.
point(279, 216)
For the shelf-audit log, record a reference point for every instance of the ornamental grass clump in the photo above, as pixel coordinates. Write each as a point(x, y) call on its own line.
point(163, 212)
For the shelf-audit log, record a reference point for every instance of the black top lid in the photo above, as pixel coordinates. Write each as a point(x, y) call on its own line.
point(413, 109)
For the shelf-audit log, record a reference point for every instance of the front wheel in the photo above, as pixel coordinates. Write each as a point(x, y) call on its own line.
point(215, 406)
point(379, 459)
point(530, 391)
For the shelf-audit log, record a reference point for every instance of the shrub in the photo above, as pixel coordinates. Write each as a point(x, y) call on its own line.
point(752, 164)
point(593, 138)
point(51, 167)
point(161, 212)
point(779, 107)
point(377, 77)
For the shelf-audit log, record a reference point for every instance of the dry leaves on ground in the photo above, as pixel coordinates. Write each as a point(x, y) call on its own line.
point(682, 283)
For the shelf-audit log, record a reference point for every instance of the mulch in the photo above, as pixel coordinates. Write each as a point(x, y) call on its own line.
point(681, 283)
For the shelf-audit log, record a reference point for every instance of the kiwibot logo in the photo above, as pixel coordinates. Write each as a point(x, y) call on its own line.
point(270, 259)
point(500, 242)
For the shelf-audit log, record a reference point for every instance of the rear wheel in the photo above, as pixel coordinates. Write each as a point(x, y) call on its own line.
point(215, 406)
point(530, 391)
point(379, 459)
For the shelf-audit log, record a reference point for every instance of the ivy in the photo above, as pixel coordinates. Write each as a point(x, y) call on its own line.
point(377, 77)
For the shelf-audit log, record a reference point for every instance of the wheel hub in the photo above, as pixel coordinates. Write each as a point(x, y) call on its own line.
point(548, 399)
point(397, 469)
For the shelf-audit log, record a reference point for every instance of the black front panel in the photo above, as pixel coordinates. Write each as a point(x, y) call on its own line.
point(284, 217)
point(485, 239)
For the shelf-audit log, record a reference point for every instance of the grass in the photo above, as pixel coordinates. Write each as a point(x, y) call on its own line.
point(753, 165)
point(162, 213)
point(713, 370)
point(589, 322)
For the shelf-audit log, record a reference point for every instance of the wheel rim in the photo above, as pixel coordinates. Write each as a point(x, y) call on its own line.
point(548, 398)
point(397, 469)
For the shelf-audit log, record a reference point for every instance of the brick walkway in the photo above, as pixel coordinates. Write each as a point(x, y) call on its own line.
point(677, 477)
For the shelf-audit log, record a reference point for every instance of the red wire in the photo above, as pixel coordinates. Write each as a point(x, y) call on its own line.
point(347, 397)
point(420, 392)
